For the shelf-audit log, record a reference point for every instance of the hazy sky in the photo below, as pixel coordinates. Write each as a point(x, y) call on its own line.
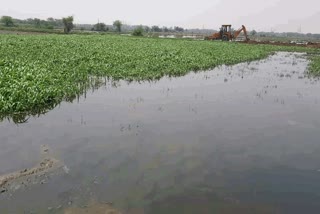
point(278, 15)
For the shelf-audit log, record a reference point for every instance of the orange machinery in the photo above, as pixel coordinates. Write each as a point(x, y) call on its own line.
point(225, 33)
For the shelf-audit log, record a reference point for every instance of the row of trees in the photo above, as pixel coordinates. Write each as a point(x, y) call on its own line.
point(51, 23)
point(103, 27)
point(67, 24)
point(156, 28)
point(117, 25)
point(138, 31)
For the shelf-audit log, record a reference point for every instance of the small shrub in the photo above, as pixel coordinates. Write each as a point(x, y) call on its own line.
point(138, 31)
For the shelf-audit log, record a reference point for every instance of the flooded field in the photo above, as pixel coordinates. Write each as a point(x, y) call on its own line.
point(239, 139)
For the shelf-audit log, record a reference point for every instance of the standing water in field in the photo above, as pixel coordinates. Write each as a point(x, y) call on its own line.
point(239, 139)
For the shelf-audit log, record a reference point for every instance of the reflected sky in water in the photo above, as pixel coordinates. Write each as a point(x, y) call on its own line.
point(241, 139)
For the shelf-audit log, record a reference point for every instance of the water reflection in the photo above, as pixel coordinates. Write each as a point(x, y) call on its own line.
point(94, 83)
point(20, 118)
point(194, 144)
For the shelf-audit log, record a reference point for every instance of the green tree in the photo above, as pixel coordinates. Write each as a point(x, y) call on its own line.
point(100, 27)
point(55, 22)
point(155, 28)
point(165, 29)
point(7, 21)
point(50, 19)
point(68, 24)
point(138, 31)
point(147, 29)
point(37, 22)
point(178, 29)
point(253, 32)
point(117, 24)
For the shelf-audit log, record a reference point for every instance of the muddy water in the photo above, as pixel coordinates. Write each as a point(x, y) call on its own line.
point(240, 139)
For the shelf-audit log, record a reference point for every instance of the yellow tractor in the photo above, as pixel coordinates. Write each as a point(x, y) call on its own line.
point(226, 34)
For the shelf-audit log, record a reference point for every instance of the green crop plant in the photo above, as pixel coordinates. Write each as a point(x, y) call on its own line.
point(39, 71)
point(315, 66)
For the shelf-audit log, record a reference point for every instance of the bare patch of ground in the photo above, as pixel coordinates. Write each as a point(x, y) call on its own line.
point(308, 44)
point(93, 208)
point(46, 165)
point(20, 32)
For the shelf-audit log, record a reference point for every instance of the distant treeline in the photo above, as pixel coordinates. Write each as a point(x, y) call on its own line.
point(118, 26)
point(50, 23)
point(147, 29)
point(53, 23)
point(288, 35)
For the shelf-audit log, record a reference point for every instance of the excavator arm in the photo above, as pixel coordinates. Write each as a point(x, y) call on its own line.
point(237, 33)
point(226, 35)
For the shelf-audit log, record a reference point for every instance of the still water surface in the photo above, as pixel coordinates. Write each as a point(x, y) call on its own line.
point(239, 139)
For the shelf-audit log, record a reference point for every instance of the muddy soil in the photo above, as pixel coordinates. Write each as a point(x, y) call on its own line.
point(94, 208)
point(308, 45)
point(25, 177)
point(44, 166)
point(21, 32)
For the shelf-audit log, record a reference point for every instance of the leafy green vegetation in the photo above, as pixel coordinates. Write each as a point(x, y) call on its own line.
point(138, 31)
point(315, 65)
point(39, 71)
point(7, 21)
point(68, 24)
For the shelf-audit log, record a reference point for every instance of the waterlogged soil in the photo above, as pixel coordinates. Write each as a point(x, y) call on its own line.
point(239, 139)
point(307, 45)
point(30, 176)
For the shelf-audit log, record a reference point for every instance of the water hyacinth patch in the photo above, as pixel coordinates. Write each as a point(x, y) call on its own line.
point(315, 65)
point(39, 71)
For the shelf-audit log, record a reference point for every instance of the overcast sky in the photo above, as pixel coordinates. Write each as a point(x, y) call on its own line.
point(277, 15)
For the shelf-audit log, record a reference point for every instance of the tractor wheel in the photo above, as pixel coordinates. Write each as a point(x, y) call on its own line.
point(225, 38)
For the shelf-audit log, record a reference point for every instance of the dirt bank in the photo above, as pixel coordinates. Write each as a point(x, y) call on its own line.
point(93, 208)
point(46, 165)
point(308, 44)
point(43, 166)
point(21, 32)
